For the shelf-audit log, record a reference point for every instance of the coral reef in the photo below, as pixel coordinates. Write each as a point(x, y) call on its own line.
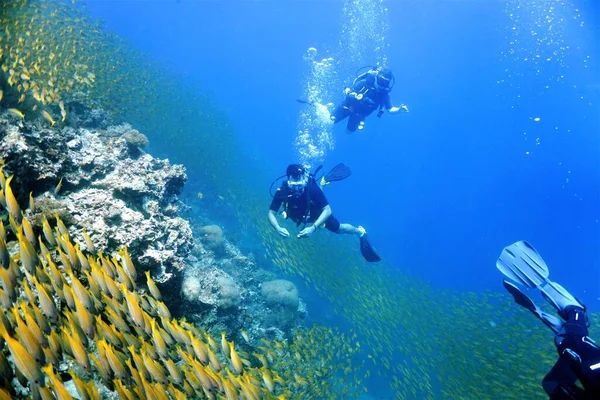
point(223, 291)
point(281, 297)
point(211, 237)
point(119, 200)
point(125, 199)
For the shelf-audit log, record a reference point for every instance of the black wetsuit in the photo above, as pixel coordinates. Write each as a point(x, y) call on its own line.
point(579, 358)
point(358, 110)
point(306, 207)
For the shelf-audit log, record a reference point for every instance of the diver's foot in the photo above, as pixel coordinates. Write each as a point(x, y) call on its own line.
point(362, 231)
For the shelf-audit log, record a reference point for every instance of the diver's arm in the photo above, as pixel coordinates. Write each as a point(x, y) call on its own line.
point(275, 224)
point(396, 110)
point(393, 109)
point(357, 85)
point(326, 213)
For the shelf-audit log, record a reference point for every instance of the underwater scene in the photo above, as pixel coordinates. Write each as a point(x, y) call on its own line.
point(352, 199)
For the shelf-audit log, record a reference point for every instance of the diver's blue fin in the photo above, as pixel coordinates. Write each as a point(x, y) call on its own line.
point(559, 297)
point(367, 250)
point(523, 300)
point(521, 263)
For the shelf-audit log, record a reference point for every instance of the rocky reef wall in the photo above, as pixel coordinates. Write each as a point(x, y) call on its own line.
point(97, 178)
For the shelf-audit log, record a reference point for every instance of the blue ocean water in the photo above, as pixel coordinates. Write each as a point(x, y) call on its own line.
point(501, 142)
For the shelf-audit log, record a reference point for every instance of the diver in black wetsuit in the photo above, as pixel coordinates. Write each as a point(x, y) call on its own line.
point(304, 203)
point(369, 91)
point(578, 354)
point(579, 358)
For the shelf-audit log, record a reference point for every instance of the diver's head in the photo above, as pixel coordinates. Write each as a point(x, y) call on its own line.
point(297, 178)
point(384, 78)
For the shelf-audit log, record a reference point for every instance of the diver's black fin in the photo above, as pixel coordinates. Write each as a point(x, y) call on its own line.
point(337, 173)
point(523, 300)
point(367, 250)
point(303, 101)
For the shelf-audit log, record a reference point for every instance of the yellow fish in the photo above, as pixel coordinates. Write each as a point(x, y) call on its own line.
point(152, 287)
point(88, 242)
point(48, 117)
point(58, 186)
point(236, 361)
point(16, 113)
point(23, 360)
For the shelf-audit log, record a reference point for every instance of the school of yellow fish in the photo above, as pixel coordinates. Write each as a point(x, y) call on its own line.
point(427, 341)
point(64, 301)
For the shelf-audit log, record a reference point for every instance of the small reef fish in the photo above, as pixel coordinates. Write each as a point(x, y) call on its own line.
point(58, 186)
point(48, 117)
point(16, 113)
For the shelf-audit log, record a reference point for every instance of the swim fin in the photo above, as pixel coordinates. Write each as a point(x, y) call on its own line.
point(302, 101)
point(337, 173)
point(521, 263)
point(523, 300)
point(367, 250)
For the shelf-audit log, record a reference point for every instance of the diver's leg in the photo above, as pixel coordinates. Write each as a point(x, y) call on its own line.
point(573, 342)
point(355, 121)
point(559, 383)
point(335, 226)
point(340, 112)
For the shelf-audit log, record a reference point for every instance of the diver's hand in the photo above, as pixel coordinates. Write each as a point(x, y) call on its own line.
point(306, 232)
point(395, 110)
point(283, 232)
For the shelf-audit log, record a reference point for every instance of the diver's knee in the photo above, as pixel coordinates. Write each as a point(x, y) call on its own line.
point(549, 385)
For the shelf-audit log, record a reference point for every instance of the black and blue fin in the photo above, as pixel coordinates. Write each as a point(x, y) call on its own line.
point(559, 297)
point(521, 263)
point(367, 250)
point(523, 300)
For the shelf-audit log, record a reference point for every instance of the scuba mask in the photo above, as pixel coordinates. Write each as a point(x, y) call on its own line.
point(383, 82)
point(297, 178)
point(384, 79)
point(297, 185)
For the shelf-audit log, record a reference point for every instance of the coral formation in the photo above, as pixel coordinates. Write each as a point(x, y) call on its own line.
point(280, 293)
point(117, 199)
point(211, 237)
point(281, 298)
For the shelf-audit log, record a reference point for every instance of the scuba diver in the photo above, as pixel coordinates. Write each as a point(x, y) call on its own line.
point(578, 354)
point(369, 91)
point(304, 202)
